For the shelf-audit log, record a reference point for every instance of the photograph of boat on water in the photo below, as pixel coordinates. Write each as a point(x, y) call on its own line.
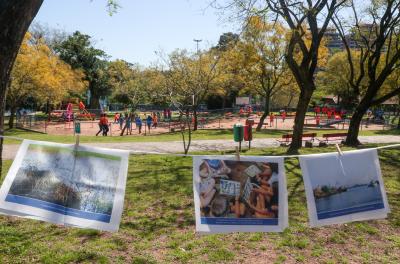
point(344, 188)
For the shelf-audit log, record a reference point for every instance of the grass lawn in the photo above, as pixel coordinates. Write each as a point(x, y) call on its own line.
point(197, 135)
point(158, 226)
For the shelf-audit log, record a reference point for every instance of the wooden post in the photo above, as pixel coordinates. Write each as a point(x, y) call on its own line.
point(237, 149)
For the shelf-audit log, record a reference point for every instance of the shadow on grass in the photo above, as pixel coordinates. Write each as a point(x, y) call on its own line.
point(162, 188)
point(388, 132)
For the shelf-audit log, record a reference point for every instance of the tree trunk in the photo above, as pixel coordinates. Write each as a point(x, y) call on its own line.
point(398, 123)
point(15, 18)
point(94, 102)
point(195, 120)
point(301, 110)
point(265, 114)
point(354, 128)
point(13, 110)
point(362, 107)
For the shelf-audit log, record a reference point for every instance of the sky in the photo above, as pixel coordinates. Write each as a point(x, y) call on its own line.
point(353, 168)
point(139, 28)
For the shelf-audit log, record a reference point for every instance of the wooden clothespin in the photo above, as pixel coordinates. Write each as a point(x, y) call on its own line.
point(77, 141)
point(339, 150)
point(237, 153)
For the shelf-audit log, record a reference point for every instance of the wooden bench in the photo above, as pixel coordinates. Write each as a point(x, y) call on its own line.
point(334, 137)
point(286, 139)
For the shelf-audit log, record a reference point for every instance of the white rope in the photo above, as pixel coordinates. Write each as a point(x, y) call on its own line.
point(138, 152)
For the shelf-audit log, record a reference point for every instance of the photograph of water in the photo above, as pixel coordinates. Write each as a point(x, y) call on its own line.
point(58, 179)
point(343, 184)
point(352, 200)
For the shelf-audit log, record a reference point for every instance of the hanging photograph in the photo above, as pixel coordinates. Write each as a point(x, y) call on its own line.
point(62, 184)
point(239, 196)
point(344, 188)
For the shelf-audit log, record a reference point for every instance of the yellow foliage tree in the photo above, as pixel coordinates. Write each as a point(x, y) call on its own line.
point(39, 74)
point(263, 48)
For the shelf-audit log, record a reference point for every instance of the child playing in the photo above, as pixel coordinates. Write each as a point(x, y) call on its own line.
point(116, 118)
point(138, 122)
point(149, 120)
point(128, 124)
point(121, 121)
point(271, 119)
point(103, 125)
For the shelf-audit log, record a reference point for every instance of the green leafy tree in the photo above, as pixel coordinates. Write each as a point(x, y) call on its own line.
point(307, 22)
point(129, 84)
point(78, 51)
point(377, 57)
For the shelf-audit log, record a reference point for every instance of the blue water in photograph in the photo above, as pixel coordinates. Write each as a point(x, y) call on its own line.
point(354, 200)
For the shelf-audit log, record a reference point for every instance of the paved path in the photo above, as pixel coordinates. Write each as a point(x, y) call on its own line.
point(9, 151)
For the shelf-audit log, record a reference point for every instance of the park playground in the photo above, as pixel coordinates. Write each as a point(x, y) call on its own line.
point(217, 119)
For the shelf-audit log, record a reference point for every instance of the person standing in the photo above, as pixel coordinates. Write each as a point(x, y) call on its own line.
point(103, 125)
point(283, 116)
point(121, 121)
point(116, 118)
point(271, 119)
point(128, 124)
point(155, 121)
point(317, 110)
point(138, 122)
point(169, 114)
point(149, 121)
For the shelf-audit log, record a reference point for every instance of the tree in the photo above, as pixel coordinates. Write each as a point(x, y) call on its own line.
point(374, 29)
point(333, 79)
point(39, 74)
point(15, 18)
point(129, 83)
point(231, 78)
point(78, 51)
point(263, 52)
point(307, 22)
point(191, 78)
point(226, 40)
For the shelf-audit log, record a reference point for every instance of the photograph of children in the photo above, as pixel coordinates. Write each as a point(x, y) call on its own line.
point(246, 195)
point(66, 185)
point(344, 188)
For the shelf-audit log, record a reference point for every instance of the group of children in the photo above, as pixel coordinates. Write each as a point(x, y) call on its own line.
point(125, 122)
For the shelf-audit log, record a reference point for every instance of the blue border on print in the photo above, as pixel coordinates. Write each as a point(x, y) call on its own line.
point(57, 208)
point(351, 210)
point(238, 221)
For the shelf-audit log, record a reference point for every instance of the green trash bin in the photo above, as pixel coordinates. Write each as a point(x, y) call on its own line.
point(77, 128)
point(238, 132)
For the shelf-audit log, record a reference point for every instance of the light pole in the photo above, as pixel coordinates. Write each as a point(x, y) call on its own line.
point(198, 81)
point(197, 44)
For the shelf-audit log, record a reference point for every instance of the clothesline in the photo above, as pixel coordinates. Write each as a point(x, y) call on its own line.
point(138, 152)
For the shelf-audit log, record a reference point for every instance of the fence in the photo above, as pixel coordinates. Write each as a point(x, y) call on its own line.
point(213, 119)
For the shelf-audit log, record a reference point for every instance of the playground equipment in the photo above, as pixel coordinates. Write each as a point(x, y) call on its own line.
point(73, 112)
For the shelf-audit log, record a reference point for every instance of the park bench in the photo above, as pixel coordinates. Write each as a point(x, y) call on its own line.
point(287, 138)
point(334, 137)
